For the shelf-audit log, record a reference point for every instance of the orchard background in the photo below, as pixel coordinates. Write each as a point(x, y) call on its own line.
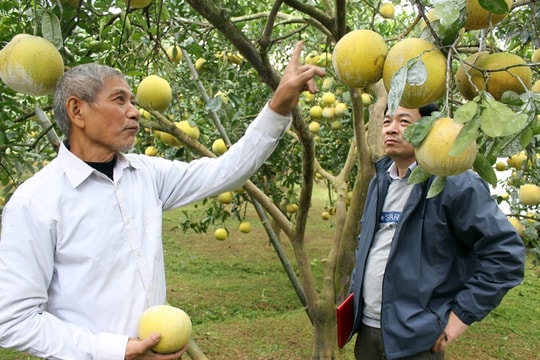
point(227, 62)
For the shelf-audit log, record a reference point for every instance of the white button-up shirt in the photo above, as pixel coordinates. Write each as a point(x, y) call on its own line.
point(81, 255)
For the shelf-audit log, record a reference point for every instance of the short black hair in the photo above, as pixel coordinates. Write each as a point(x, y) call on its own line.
point(428, 109)
point(425, 110)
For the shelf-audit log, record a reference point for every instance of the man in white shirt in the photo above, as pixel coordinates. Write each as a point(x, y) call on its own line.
point(80, 253)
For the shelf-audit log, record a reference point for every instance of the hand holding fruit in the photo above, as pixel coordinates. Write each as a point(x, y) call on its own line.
point(164, 333)
point(296, 78)
point(138, 349)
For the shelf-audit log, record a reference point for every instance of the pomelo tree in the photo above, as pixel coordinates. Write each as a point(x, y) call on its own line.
point(232, 55)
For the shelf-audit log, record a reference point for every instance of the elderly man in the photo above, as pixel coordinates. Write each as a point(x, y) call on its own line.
point(80, 253)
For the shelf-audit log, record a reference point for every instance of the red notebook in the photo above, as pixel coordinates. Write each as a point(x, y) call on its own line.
point(344, 320)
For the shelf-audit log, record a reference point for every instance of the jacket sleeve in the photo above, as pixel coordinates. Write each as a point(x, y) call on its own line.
point(500, 253)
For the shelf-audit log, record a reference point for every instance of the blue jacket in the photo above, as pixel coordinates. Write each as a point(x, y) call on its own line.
point(453, 252)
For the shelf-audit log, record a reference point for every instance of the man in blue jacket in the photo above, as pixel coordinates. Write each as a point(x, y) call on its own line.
point(427, 268)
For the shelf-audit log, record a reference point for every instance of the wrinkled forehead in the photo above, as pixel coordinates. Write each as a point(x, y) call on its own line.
point(115, 85)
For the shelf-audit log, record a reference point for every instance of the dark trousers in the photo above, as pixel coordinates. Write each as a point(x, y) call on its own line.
point(369, 346)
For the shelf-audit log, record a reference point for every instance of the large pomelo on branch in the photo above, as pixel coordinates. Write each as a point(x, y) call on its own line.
point(434, 85)
point(480, 18)
point(30, 65)
point(504, 71)
point(358, 58)
point(154, 93)
point(433, 153)
point(172, 323)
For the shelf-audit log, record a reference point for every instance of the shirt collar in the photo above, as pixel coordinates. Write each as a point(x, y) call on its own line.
point(77, 171)
point(392, 171)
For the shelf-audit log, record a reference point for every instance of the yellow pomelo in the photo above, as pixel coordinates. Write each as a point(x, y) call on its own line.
point(314, 127)
point(225, 197)
point(138, 4)
point(336, 125)
point(192, 131)
point(415, 96)
point(151, 151)
point(366, 99)
point(172, 323)
point(500, 166)
point(516, 161)
point(168, 139)
point(199, 64)
point(340, 109)
point(358, 58)
point(465, 71)
point(312, 58)
point(328, 112)
point(479, 18)
point(244, 227)
point(154, 93)
point(520, 228)
point(432, 154)
point(30, 65)
point(219, 146)
point(387, 10)
point(536, 56)
point(221, 234)
point(315, 112)
point(504, 74)
point(325, 59)
point(536, 86)
point(174, 53)
point(291, 208)
point(328, 98)
point(529, 194)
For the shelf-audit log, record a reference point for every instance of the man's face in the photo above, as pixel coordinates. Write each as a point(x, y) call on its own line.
point(112, 122)
point(392, 134)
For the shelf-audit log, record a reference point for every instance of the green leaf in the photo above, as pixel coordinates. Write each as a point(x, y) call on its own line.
point(51, 30)
point(467, 135)
point(418, 175)
point(510, 97)
point(494, 6)
point(417, 132)
point(526, 137)
point(214, 104)
point(485, 169)
point(417, 73)
point(396, 89)
point(466, 112)
point(436, 186)
point(498, 119)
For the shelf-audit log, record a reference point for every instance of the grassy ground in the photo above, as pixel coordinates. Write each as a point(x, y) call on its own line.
point(243, 307)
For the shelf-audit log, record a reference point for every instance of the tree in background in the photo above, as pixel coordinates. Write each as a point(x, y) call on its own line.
point(222, 60)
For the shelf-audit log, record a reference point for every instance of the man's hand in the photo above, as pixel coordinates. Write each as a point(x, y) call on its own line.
point(453, 330)
point(138, 349)
point(296, 78)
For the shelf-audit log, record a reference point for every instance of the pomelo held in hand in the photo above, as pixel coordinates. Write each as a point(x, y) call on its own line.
point(172, 323)
point(433, 153)
point(358, 58)
point(30, 65)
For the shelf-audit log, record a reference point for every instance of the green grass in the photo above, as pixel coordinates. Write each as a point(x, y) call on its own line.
point(243, 306)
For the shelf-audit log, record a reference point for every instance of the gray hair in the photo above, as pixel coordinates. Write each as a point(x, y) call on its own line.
point(84, 82)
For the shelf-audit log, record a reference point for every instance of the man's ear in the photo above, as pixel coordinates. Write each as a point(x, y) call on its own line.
point(75, 110)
